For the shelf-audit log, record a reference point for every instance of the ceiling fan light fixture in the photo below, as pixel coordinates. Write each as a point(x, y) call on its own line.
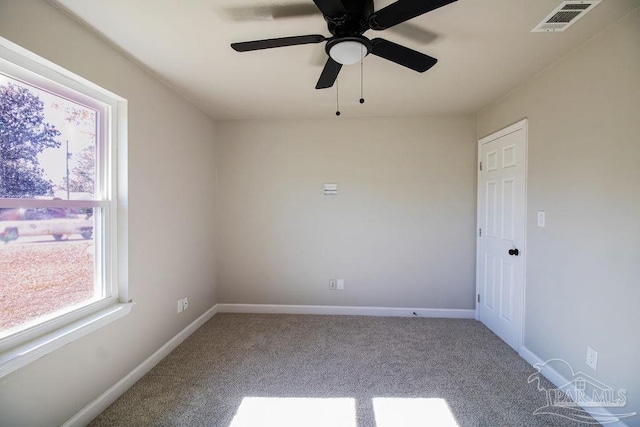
point(348, 52)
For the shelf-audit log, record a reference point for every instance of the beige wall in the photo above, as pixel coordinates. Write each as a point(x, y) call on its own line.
point(583, 269)
point(400, 232)
point(171, 220)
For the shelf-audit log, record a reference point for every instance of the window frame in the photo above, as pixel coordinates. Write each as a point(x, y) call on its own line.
point(110, 196)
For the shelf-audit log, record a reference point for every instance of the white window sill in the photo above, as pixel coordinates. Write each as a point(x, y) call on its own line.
point(24, 354)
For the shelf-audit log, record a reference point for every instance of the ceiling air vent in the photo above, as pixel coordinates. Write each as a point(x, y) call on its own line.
point(565, 15)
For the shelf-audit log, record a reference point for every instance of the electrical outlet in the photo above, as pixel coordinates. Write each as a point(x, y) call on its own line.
point(592, 358)
point(340, 284)
point(332, 284)
point(180, 306)
point(185, 303)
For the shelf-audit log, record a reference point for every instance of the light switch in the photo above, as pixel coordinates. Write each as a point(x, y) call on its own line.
point(541, 219)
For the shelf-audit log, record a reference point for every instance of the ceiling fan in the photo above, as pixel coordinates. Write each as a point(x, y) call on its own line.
point(347, 21)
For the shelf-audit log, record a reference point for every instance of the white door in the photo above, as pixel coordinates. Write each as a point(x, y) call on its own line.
point(501, 232)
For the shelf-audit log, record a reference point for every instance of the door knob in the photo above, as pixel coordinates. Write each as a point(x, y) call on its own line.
point(514, 252)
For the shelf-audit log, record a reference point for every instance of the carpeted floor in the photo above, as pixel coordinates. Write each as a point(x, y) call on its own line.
point(290, 370)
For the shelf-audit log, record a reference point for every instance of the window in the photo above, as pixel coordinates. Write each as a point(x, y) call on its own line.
point(62, 271)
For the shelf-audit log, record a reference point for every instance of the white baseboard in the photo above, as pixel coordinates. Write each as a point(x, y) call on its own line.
point(533, 359)
point(346, 310)
point(94, 409)
point(560, 381)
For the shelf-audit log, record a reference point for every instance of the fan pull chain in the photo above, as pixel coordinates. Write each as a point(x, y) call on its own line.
point(362, 77)
point(337, 98)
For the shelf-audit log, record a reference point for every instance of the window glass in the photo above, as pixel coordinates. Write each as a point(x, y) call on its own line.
point(47, 144)
point(47, 264)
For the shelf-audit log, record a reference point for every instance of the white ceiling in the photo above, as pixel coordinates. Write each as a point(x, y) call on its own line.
point(484, 47)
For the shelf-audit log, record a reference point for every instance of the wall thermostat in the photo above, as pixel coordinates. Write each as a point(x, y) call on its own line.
point(330, 189)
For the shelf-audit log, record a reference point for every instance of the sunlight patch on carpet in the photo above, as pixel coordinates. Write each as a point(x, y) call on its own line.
point(295, 412)
point(397, 411)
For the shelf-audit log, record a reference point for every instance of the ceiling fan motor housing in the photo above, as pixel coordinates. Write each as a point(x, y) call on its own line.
point(354, 22)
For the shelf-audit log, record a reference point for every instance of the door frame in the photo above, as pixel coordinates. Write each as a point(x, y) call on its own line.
point(524, 126)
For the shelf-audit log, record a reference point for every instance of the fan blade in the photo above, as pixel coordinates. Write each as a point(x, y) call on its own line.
point(246, 13)
point(402, 55)
point(281, 42)
point(329, 74)
point(403, 10)
point(331, 8)
point(415, 33)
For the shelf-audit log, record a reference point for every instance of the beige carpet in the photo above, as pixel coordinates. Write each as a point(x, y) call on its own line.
point(244, 370)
